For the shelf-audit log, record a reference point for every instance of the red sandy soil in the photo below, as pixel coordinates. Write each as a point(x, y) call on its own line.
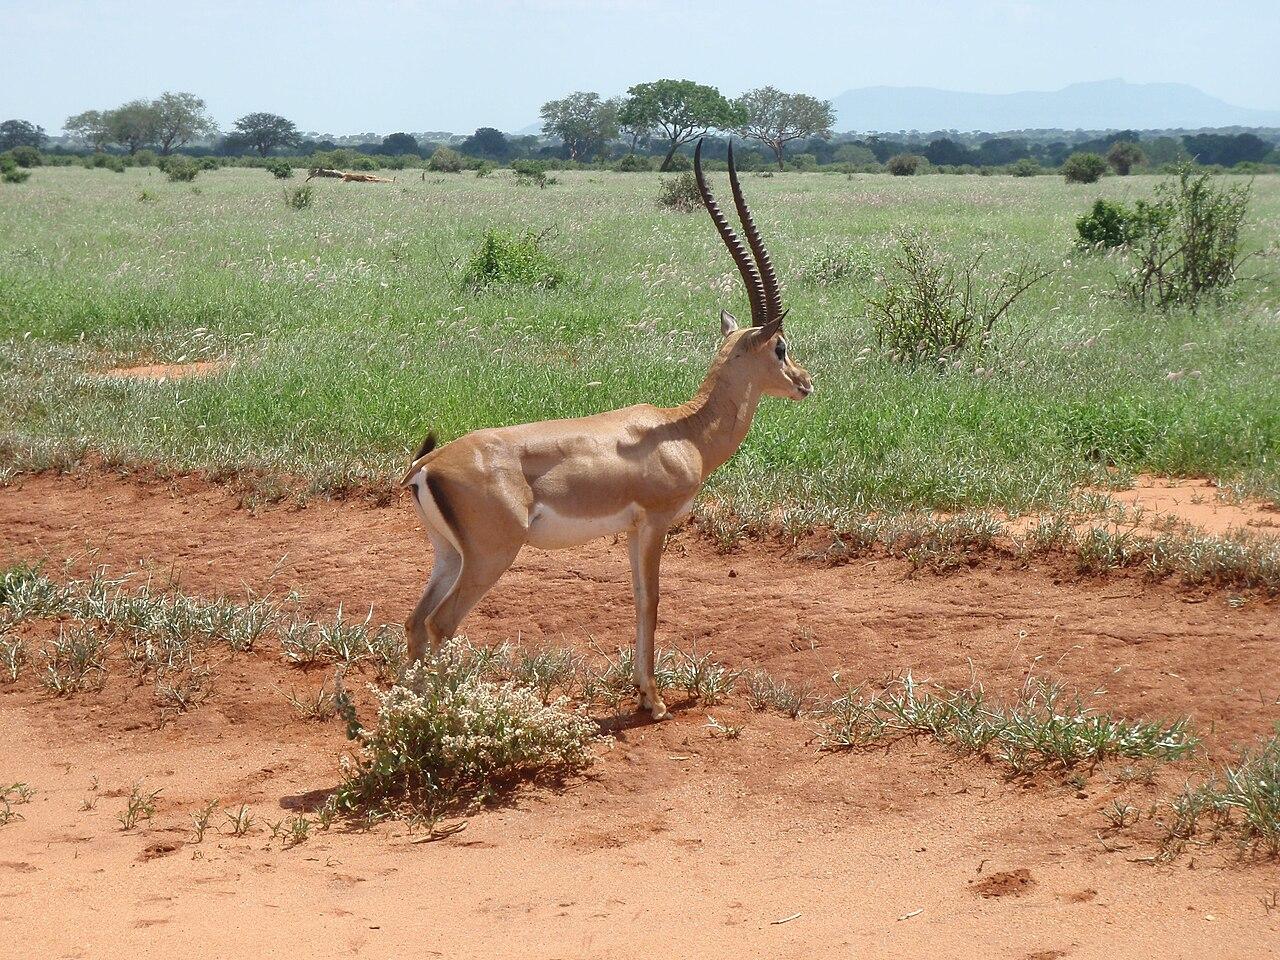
point(166, 371)
point(1196, 503)
point(678, 840)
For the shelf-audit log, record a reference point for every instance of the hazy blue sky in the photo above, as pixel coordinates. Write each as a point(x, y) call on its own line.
point(384, 65)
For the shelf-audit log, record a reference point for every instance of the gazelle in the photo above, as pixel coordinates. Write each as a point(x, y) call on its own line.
point(560, 483)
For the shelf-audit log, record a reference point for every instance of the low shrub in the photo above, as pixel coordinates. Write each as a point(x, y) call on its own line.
point(1083, 168)
point(447, 737)
point(532, 172)
point(1109, 224)
point(145, 158)
point(26, 156)
point(903, 165)
point(15, 175)
point(932, 307)
point(180, 169)
point(1186, 243)
point(503, 259)
point(1026, 167)
point(680, 193)
point(446, 160)
point(633, 163)
point(280, 169)
point(364, 163)
point(298, 198)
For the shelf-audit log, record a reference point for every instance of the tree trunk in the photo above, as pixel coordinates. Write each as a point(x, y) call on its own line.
point(777, 152)
point(666, 163)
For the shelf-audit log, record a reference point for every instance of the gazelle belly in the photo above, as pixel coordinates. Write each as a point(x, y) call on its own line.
point(550, 529)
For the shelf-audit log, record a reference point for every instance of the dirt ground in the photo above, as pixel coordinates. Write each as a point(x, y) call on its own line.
point(678, 839)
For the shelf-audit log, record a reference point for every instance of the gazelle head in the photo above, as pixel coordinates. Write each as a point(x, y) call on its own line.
point(760, 352)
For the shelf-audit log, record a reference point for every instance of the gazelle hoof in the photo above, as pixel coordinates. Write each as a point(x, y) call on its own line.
point(659, 711)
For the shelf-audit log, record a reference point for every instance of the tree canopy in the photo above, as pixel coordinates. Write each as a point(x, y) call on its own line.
point(776, 118)
point(583, 122)
point(21, 133)
point(180, 118)
point(265, 132)
point(681, 109)
point(132, 125)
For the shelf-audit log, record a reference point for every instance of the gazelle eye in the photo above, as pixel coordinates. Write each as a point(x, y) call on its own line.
point(781, 349)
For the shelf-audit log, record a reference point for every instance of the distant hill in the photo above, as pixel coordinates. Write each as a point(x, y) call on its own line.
point(1099, 105)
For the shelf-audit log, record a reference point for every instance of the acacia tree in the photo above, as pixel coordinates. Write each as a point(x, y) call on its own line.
point(265, 131)
point(90, 126)
point(583, 121)
point(133, 125)
point(180, 117)
point(21, 133)
point(681, 109)
point(776, 118)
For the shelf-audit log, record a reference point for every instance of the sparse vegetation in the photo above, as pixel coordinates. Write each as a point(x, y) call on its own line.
point(932, 308)
point(1243, 801)
point(1045, 729)
point(139, 805)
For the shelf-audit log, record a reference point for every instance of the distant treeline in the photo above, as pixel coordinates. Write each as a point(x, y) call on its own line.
point(655, 126)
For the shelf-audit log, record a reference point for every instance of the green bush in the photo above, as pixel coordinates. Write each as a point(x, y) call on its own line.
point(280, 169)
point(1026, 167)
point(7, 163)
point(1109, 224)
point(145, 158)
point(679, 163)
point(803, 162)
point(484, 169)
point(447, 737)
point(180, 169)
point(503, 259)
point(932, 307)
point(680, 193)
point(903, 165)
point(1084, 168)
point(365, 163)
point(1186, 243)
point(299, 198)
point(26, 156)
point(532, 172)
point(446, 160)
point(633, 163)
point(16, 175)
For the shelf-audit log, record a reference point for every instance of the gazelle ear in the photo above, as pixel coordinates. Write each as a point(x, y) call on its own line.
point(728, 323)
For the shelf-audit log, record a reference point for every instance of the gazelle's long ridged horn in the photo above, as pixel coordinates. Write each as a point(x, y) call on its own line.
point(750, 275)
point(768, 278)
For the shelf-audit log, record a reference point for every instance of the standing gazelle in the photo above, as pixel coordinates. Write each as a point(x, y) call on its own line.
point(560, 483)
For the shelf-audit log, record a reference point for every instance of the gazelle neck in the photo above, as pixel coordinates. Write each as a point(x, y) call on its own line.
point(719, 415)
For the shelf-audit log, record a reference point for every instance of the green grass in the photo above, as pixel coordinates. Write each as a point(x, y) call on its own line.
point(352, 333)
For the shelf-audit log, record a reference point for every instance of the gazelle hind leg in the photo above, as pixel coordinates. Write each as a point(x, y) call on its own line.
point(445, 568)
point(478, 575)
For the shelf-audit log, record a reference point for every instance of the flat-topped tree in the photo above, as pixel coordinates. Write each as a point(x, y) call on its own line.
point(776, 118)
point(681, 109)
point(265, 131)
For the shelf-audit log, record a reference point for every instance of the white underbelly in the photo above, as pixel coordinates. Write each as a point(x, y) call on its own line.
point(551, 530)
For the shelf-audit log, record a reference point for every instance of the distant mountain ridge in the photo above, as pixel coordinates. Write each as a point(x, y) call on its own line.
point(1095, 105)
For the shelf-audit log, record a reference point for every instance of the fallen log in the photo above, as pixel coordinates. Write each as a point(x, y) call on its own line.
point(346, 177)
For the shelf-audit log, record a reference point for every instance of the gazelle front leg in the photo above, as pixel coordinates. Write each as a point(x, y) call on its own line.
point(645, 546)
